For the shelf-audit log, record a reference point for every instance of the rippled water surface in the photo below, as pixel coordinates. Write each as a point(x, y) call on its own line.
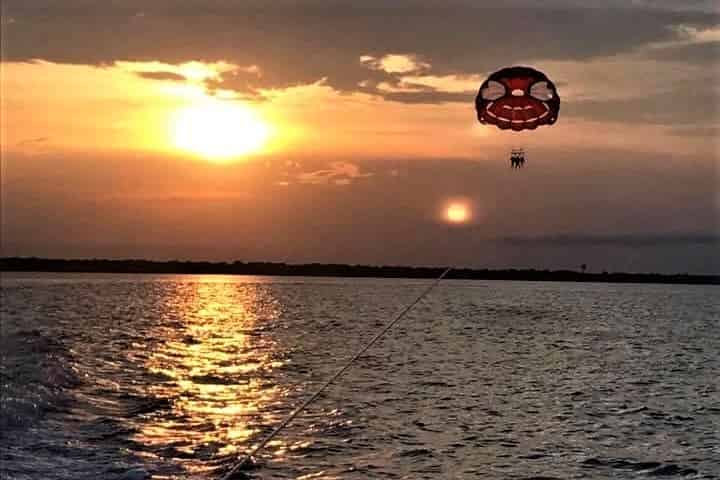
point(136, 377)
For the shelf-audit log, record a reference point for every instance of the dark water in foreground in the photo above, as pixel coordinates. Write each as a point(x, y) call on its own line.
point(130, 377)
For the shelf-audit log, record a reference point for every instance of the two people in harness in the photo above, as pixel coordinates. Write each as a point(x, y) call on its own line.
point(517, 159)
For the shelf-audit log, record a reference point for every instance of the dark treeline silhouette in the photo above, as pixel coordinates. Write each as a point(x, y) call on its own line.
point(33, 264)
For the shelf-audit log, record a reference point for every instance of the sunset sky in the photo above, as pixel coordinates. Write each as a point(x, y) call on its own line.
point(345, 131)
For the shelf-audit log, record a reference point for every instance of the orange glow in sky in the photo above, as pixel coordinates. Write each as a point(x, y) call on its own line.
point(234, 130)
point(218, 130)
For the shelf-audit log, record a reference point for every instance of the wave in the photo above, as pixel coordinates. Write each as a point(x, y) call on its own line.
point(37, 375)
point(651, 468)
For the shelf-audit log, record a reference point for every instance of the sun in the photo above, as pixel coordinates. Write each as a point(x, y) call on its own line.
point(457, 213)
point(218, 130)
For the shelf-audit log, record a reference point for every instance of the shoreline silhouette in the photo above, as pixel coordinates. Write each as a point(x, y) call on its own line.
point(36, 264)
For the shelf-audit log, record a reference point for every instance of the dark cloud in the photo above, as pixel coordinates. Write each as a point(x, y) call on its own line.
point(712, 132)
point(429, 96)
point(683, 104)
point(659, 239)
point(709, 6)
point(295, 43)
point(161, 76)
point(300, 43)
point(701, 53)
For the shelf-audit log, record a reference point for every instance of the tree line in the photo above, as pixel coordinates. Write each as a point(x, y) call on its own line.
point(34, 264)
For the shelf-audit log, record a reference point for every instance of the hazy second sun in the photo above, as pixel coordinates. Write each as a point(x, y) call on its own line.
point(218, 130)
point(457, 212)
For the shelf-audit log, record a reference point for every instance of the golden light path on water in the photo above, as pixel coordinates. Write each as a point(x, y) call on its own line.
point(216, 369)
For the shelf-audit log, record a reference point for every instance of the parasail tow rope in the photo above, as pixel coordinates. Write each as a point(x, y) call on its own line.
point(239, 464)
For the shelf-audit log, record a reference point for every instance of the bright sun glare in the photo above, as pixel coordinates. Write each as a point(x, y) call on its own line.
point(457, 213)
point(218, 130)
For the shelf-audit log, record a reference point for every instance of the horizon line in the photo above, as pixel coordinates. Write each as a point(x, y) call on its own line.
point(240, 267)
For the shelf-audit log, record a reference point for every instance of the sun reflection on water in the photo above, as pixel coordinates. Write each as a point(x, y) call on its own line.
point(216, 364)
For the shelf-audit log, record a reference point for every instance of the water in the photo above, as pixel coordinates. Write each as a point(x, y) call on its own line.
point(133, 377)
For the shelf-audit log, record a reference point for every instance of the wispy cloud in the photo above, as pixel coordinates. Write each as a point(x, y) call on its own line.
point(34, 141)
point(639, 240)
point(339, 173)
point(38, 145)
point(176, 196)
point(712, 132)
point(194, 71)
point(171, 76)
point(395, 63)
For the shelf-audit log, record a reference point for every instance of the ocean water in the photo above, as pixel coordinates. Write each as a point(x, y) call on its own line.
point(172, 377)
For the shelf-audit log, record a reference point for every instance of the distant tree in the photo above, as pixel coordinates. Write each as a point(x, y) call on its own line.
point(583, 267)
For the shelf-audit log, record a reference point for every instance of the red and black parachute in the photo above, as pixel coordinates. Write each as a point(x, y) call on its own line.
point(517, 98)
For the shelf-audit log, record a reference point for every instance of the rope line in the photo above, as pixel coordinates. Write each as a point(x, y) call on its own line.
point(342, 370)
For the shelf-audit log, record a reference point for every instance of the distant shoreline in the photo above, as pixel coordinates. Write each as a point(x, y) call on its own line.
point(33, 264)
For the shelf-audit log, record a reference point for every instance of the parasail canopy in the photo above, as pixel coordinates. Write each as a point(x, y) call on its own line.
point(517, 98)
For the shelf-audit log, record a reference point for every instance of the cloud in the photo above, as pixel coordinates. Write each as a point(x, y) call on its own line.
point(193, 71)
point(711, 132)
point(696, 53)
point(657, 239)
point(685, 105)
point(297, 44)
point(175, 196)
point(34, 141)
point(635, 87)
point(38, 145)
point(646, 69)
point(395, 63)
point(418, 86)
point(339, 173)
point(447, 83)
point(690, 45)
point(161, 76)
point(707, 6)
point(428, 97)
